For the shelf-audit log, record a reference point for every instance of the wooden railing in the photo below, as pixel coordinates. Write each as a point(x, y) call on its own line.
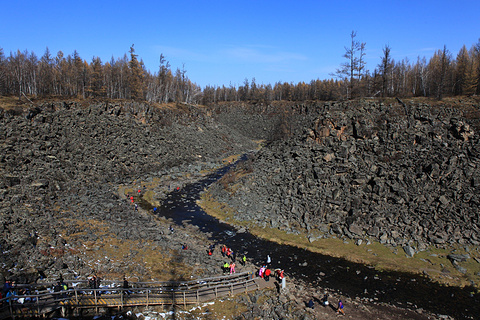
point(111, 294)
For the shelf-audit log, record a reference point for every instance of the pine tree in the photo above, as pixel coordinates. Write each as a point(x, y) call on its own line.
point(471, 77)
point(385, 67)
point(476, 65)
point(462, 65)
point(46, 73)
point(444, 64)
point(97, 86)
point(135, 76)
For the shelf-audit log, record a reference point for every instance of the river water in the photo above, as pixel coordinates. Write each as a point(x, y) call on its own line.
point(333, 274)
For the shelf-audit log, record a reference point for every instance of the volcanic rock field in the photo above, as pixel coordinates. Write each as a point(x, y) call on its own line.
point(405, 174)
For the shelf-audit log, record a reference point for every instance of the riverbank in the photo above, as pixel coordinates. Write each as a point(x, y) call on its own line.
point(269, 303)
point(431, 262)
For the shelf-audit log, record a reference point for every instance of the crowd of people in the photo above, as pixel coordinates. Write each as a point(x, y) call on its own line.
point(265, 272)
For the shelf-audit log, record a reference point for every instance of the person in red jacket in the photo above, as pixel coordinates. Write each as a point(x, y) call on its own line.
point(267, 274)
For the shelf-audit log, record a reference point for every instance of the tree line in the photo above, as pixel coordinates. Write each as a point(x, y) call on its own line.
point(25, 74)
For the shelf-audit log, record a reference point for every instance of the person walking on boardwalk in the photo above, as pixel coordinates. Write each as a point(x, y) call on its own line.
point(232, 268)
point(244, 260)
point(125, 286)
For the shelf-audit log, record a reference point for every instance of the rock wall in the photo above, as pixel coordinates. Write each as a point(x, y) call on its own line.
point(403, 174)
point(61, 163)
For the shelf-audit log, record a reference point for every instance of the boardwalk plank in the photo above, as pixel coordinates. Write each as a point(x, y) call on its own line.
point(185, 293)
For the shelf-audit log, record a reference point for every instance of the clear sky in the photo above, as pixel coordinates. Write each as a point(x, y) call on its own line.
point(224, 42)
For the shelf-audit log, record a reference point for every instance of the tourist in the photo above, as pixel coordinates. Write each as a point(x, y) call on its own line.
point(10, 293)
point(340, 307)
point(279, 274)
point(267, 274)
point(261, 271)
point(6, 287)
point(224, 250)
point(325, 299)
point(125, 286)
point(310, 304)
point(226, 267)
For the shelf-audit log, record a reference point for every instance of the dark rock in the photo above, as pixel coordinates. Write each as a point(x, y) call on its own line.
point(412, 171)
point(458, 257)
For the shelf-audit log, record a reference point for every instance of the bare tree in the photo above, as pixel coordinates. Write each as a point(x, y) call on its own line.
point(352, 70)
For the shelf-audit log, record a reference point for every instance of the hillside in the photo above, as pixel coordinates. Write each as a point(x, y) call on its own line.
point(403, 174)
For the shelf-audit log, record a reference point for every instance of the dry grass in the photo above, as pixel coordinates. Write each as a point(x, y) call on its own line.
point(112, 257)
point(220, 309)
point(10, 102)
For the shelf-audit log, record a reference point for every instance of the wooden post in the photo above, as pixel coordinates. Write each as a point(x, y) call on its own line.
point(38, 305)
point(216, 292)
point(147, 297)
point(11, 307)
point(184, 303)
point(96, 304)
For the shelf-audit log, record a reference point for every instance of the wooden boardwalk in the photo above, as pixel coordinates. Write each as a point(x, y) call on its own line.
point(140, 294)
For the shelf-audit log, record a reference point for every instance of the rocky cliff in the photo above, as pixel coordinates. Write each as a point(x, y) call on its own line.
point(61, 165)
point(403, 173)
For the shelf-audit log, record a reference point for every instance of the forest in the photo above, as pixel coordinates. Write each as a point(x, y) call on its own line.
point(24, 74)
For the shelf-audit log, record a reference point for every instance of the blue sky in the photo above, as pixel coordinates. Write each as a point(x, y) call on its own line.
point(224, 42)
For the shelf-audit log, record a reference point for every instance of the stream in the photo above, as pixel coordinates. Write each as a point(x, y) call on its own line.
point(333, 274)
